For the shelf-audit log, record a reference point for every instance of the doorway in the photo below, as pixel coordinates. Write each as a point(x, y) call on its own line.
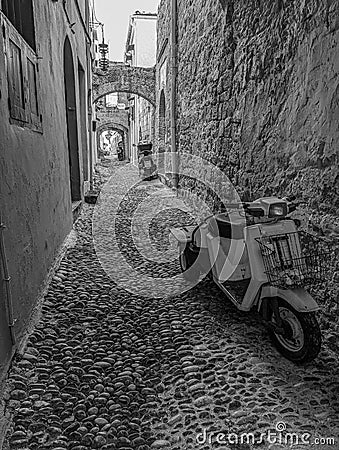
point(162, 122)
point(72, 125)
point(83, 120)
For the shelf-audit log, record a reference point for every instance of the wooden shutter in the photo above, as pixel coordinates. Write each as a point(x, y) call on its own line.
point(16, 82)
point(32, 88)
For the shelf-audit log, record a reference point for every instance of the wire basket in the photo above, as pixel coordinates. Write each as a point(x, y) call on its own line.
point(295, 259)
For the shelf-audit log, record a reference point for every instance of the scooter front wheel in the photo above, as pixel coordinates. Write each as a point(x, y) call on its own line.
point(301, 340)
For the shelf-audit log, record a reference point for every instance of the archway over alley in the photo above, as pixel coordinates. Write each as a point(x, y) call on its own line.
point(116, 117)
point(114, 126)
point(122, 78)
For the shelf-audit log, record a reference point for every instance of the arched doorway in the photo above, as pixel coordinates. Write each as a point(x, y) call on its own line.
point(116, 128)
point(162, 122)
point(71, 118)
point(134, 112)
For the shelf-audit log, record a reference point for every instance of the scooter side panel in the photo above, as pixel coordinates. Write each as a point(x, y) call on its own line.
point(230, 262)
point(213, 252)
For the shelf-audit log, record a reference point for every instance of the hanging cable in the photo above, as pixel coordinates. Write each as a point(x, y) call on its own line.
point(71, 24)
point(82, 22)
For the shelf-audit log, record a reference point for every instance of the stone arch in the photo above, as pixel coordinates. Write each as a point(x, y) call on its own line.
point(162, 121)
point(120, 118)
point(113, 126)
point(122, 78)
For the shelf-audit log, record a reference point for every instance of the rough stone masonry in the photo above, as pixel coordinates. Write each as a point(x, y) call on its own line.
point(258, 92)
point(258, 95)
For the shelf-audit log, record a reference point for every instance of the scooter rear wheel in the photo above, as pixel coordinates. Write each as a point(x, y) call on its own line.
point(302, 339)
point(187, 258)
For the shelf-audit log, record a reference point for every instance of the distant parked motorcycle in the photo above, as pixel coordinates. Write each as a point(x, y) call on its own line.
point(120, 153)
point(256, 256)
point(147, 167)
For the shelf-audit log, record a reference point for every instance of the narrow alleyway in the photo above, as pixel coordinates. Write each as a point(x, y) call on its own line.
point(108, 369)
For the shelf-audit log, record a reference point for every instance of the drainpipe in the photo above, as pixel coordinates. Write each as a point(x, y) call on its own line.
point(174, 69)
point(7, 280)
point(67, 16)
point(89, 40)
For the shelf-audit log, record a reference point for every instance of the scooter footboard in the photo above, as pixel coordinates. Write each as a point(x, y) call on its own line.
point(298, 298)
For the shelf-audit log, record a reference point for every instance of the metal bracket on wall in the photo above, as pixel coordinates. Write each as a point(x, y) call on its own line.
point(71, 25)
point(7, 279)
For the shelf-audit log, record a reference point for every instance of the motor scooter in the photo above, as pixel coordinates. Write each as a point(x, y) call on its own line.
point(147, 167)
point(256, 256)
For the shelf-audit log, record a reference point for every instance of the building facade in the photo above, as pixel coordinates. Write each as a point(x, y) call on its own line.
point(140, 52)
point(45, 157)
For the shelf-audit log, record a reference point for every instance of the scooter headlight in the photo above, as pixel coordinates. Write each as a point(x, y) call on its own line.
point(278, 210)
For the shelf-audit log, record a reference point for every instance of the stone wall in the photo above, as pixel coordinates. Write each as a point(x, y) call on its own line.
point(258, 95)
point(258, 92)
point(163, 79)
point(114, 116)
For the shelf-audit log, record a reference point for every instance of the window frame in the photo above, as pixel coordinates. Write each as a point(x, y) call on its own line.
point(16, 111)
point(16, 9)
point(21, 116)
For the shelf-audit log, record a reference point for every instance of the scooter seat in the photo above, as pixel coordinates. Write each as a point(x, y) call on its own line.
point(222, 226)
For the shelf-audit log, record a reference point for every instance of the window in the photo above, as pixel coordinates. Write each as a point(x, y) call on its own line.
point(20, 14)
point(33, 100)
point(111, 100)
point(21, 65)
point(15, 82)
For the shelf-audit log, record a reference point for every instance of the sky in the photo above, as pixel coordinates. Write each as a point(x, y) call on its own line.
point(115, 15)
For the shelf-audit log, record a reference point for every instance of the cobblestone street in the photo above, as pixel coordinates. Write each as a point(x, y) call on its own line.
point(108, 369)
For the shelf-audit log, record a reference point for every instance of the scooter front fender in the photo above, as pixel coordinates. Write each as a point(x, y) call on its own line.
point(298, 298)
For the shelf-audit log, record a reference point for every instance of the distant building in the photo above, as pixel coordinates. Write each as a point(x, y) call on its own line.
point(141, 52)
point(95, 49)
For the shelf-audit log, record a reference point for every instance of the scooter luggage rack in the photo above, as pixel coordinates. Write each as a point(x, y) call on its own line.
point(295, 259)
